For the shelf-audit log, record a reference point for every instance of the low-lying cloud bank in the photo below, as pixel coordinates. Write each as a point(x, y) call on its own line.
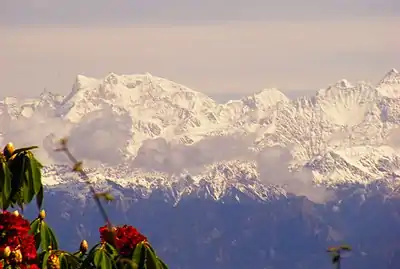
point(101, 137)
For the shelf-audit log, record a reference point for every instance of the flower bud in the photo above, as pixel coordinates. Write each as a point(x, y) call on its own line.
point(53, 262)
point(16, 256)
point(84, 246)
point(6, 252)
point(42, 214)
point(16, 213)
point(9, 150)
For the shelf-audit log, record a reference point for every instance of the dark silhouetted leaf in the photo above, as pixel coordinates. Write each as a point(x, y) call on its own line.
point(17, 151)
point(39, 198)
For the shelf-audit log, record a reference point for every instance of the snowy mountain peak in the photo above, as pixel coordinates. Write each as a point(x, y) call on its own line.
point(125, 93)
point(343, 83)
point(345, 133)
point(82, 81)
point(391, 77)
point(271, 96)
point(264, 99)
point(111, 78)
point(389, 85)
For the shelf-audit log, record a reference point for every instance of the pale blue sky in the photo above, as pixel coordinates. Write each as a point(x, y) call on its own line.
point(218, 47)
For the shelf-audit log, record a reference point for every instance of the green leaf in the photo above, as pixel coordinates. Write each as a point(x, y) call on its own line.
point(39, 198)
point(32, 179)
point(73, 261)
point(47, 237)
point(35, 231)
point(152, 260)
point(111, 251)
point(36, 177)
point(28, 188)
point(147, 244)
point(17, 168)
point(163, 264)
point(63, 261)
point(46, 255)
point(90, 256)
point(152, 255)
point(102, 260)
point(25, 178)
point(35, 226)
point(38, 240)
point(79, 255)
point(22, 167)
point(54, 242)
point(5, 185)
point(93, 250)
point(36, 174)
point(139, 255)
point(127, 264)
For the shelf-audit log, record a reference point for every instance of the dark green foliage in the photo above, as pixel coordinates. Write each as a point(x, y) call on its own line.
point(20, 183)
point(20, 179)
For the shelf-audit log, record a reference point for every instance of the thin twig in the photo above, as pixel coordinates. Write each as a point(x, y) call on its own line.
point(86, 178)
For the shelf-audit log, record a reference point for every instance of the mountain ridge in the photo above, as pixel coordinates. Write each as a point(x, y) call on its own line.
point(342, 134)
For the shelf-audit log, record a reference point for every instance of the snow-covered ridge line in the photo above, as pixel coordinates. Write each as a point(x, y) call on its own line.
point(81, 81)
point(346, 133)
point(217, 182)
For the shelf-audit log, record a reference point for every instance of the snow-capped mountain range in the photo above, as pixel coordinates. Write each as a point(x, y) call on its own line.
point(153, 134)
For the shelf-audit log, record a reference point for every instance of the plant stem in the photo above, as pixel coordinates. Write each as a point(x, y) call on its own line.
point(87, 181)
point(338, 264)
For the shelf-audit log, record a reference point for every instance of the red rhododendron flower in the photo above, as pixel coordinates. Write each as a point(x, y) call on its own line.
point(125, 238)
point(13, 224)
point(33, 266)
point(14, 234)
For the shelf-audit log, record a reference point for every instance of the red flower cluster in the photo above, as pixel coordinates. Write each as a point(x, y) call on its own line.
point(125, 238)
point(17, 246)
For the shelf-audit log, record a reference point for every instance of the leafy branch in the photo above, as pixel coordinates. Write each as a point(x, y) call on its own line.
point(34, 245)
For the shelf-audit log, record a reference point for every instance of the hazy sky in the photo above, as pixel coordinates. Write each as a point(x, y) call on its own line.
point(220, 47)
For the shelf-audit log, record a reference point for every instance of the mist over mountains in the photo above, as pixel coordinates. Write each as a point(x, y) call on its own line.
point(166, 150)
